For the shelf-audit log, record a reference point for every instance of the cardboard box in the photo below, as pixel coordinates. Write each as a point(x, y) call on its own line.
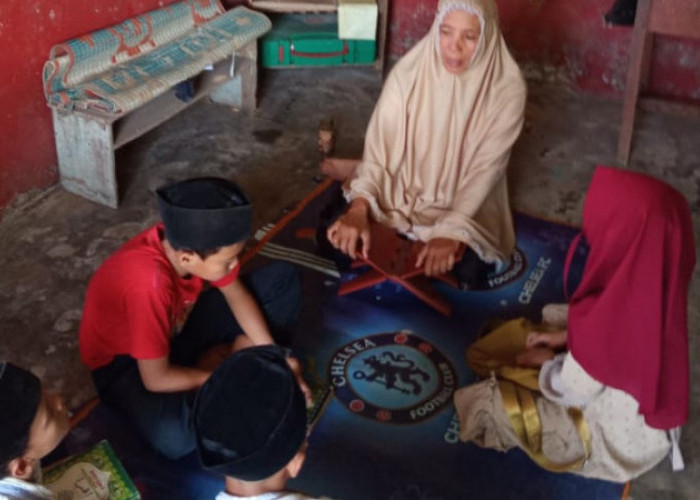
point(357, 19)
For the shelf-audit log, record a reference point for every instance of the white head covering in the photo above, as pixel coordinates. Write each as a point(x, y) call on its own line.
point(438, 143)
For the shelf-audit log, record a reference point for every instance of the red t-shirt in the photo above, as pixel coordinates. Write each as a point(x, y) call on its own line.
point(136, 301)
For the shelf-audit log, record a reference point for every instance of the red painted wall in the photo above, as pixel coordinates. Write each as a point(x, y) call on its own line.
point(28, 29)
point(569, 37)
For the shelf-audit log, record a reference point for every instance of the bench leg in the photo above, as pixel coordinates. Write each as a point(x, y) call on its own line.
point(248, 60)
point(86, 157)
point(240, 91)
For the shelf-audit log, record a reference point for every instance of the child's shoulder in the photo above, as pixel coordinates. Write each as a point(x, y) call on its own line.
point(146, 244)
point(17, 489)
point(142, 258)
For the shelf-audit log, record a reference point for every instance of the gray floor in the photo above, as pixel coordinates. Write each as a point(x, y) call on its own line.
point(51, 241)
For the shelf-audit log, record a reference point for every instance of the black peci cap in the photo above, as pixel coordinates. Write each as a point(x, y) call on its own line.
point(204, 213)
point(250, 415)
point(20, 395)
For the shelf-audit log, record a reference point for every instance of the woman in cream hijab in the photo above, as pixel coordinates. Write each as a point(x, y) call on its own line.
point(438, 143)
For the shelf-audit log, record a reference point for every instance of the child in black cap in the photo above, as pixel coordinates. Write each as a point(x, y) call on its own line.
point(151, 335)
point(32, 423)
point(250, 423)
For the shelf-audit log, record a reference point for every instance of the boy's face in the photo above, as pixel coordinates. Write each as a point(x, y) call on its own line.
point(50, 426)
point(215, 266)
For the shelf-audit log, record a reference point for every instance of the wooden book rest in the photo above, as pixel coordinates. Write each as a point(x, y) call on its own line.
point(392, 257)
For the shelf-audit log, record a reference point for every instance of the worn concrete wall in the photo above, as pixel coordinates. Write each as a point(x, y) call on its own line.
point(566, 39)
point(28, 29)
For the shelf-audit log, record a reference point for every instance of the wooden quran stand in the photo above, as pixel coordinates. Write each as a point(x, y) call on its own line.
point(392, 257)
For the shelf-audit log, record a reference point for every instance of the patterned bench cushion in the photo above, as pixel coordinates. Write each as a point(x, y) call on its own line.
point(120, 68)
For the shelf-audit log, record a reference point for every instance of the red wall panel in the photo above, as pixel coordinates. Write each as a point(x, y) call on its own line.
point(28, 29)
point(570, 39)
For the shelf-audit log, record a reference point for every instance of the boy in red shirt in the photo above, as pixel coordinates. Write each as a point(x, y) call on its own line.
point(151, 334)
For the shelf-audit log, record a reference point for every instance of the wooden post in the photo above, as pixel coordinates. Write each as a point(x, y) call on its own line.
point(634, 77)
point(382, 26)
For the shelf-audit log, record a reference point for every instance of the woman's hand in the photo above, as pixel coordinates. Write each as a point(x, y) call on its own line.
point(438, 256)
point(351, 229)
point(534, 357)
point(553, 340)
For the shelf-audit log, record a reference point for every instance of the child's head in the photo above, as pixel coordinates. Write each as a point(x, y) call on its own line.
point(207, 221)
point(250, 417)
point(32, 422)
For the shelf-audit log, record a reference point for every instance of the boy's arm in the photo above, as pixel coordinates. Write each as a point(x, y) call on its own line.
point(158, 375)
point(252, 321)
point(246, 311)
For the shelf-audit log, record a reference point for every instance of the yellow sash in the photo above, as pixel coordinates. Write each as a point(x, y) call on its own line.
point(496, 353)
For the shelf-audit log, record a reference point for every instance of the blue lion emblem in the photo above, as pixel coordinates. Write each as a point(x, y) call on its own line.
point(391, 368)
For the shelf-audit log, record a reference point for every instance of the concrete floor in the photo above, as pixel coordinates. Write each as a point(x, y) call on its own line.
point(52, 241)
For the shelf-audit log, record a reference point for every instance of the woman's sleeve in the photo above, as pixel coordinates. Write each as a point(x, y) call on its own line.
point(487, 167)
point(385, 133)
point(563, 381)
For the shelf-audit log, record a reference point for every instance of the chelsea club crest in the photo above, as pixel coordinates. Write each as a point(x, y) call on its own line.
point(392, 377)
point(511, 271)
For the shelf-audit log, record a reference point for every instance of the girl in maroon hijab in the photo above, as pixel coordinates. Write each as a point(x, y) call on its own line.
point(612, 404)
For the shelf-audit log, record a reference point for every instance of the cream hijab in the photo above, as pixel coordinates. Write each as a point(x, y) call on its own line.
point(437, 145)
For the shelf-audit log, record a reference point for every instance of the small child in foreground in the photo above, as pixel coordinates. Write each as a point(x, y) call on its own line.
point(250, 423)
point(32, 423)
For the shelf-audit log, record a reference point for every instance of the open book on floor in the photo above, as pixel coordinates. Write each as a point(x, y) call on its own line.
point(94, 474)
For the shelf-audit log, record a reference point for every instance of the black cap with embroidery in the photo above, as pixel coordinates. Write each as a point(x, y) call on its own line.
point(250, 415)
point(204, 213)
point(20, 395)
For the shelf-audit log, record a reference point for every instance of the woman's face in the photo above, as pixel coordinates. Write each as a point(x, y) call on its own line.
point(459, 36)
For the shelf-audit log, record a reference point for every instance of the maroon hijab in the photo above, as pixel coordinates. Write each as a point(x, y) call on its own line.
point(627, 319)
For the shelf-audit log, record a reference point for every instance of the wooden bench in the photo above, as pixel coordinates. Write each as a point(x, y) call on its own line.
point(111, 86)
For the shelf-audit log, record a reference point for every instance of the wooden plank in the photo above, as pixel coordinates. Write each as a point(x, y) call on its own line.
point(382, 22)
point(634, 76)
point(422, 287)
point(287, 6)
point(165, 106)
point(249, 76)
point(667, 17)
point(364, 280)
point(645, 71)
